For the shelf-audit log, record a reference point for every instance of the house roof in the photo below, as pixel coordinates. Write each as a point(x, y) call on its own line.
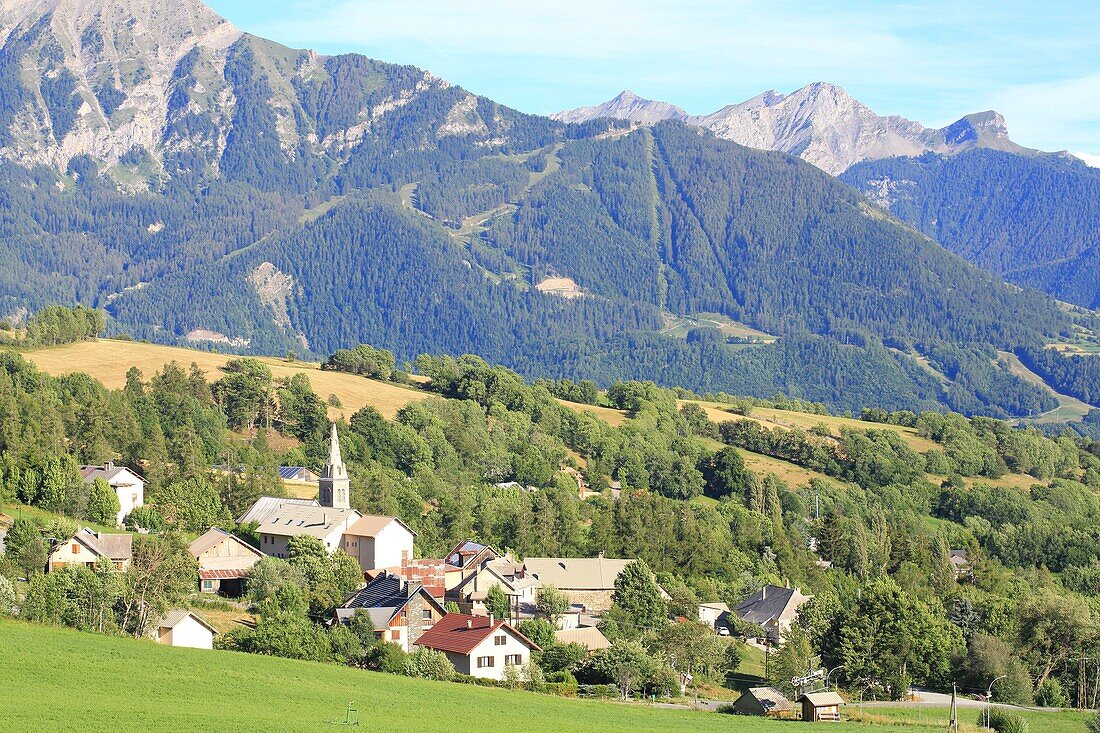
point(769, 698)
point(384, 597)
point(214, 537)
point(266, 506)
point(577, 573)
point(111, 546)
point(223, 573)
point(466, 549)
point(587, 636)
point(291, 472)
point(318, 521)
point(769, 604)
point(370, 525)
point(173, 617)
point(822, 699)
point(459, 633)
point(717, 606)
point(108, 473)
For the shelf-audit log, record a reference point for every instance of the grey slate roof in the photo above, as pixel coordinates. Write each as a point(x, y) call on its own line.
point(382, 599)
point(116, 547)
point(267, 506)
point(291, 520)
point(108, 473)
point(173, 617)
point(767, 604)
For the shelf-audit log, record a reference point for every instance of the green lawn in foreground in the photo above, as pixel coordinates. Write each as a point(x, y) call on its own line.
point(54, 679)
point(937, 717)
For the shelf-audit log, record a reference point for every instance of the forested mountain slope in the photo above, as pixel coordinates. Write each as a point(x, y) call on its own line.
point(1033, 219)
point(278, 200)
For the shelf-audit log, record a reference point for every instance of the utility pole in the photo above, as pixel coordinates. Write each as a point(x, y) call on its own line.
point(953, 726)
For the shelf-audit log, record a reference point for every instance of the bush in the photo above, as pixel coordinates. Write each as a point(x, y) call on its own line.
point(144, 517)
point(1051, 695)
point(7, 597)
point(429, 664)
point(1003, 721)
point(385, 657)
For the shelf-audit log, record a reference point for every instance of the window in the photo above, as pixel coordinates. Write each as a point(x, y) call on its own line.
point(483, 662)
point(500, 639)
point(207, 585)
point(427, 614)
point(515, 660)
point(395, 635)
point(76, 548)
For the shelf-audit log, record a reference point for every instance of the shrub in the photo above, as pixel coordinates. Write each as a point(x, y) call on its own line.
point(1051, 695)
point(429, 664)
point(1003, 721)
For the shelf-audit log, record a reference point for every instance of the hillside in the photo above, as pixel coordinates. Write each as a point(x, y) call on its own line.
point(108, 361)
point(1032, 219)
point(277, 200)
point(187, 690)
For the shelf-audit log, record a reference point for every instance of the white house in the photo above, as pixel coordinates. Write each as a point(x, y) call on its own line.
point(713, 614)
point(379, 542)
point(477, 645)
point(326, 523)
point(128, 486)
point(183, 628)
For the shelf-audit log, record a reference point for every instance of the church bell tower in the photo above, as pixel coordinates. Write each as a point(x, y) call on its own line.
point(334, 486)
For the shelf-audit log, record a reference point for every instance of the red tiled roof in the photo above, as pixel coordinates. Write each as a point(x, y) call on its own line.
point(222, 574)
point(460, 633)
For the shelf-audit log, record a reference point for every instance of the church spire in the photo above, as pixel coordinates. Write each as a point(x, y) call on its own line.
point(334, 448)
point(334, 488)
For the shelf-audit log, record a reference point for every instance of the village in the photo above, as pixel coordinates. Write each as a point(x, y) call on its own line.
point(468, 605)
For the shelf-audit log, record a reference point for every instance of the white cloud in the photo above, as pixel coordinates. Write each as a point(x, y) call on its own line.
point(1092, 159)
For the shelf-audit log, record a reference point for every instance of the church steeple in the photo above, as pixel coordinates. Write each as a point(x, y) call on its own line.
point(334, 487)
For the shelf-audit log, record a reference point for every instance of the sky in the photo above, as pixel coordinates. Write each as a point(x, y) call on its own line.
point(1037, 63)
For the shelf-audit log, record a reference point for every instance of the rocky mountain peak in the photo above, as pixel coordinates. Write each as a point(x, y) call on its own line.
point(821, 122)
point(625, 106)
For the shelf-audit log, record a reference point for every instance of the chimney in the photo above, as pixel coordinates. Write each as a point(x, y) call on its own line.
point(110, 465)
point(764, 593)
point(491, 621)
point(469, 623)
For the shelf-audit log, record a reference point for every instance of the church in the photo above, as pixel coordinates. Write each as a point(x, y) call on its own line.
point(375, 542)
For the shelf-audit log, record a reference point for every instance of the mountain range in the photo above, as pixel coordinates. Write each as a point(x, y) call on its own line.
point(1028, 216)
point(207, 186)
point(821, 123)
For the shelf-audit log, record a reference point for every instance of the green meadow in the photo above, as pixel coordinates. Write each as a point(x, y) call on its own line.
point(54, 679)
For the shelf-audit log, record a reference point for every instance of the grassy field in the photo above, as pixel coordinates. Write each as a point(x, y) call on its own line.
point(108, 361)
point(140, 686)
point(1069, 408)
point(678, 326)
point(938, 717)
point(609, 415)
point(772, 418)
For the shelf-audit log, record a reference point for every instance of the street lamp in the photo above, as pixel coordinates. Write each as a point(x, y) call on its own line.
point(830, 674)
point(989, 698)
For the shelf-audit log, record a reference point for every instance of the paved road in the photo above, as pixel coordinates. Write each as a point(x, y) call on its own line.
point(943, 700)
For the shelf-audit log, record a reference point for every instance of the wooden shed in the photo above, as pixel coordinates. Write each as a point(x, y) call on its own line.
point(764, 701)
point(819, 707)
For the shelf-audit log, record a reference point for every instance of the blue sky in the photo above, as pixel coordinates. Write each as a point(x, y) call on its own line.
point(1038, 63)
